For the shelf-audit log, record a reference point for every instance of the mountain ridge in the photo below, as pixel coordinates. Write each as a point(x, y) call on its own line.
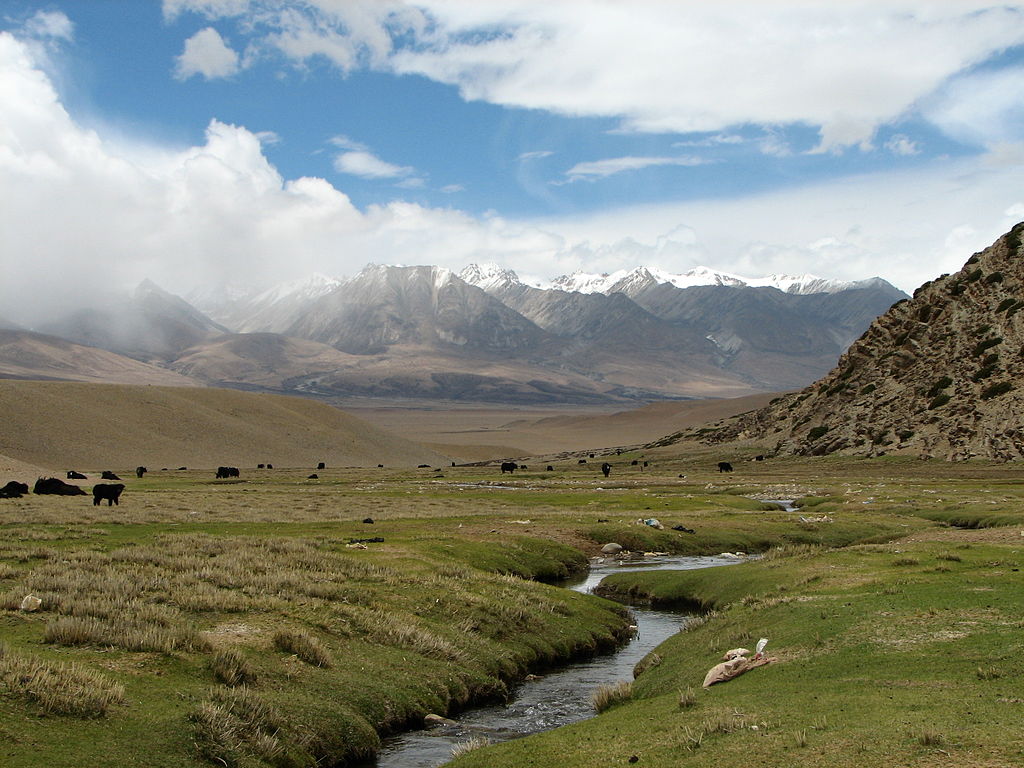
point(937, 376)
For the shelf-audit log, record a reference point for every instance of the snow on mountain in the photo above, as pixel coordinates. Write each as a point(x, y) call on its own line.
point(630, 281)
point(312, 287)
point(489, 277)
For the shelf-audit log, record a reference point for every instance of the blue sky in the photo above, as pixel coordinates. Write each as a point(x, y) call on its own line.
point(257, 140)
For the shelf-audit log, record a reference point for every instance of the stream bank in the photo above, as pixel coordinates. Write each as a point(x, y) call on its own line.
point(560, 697)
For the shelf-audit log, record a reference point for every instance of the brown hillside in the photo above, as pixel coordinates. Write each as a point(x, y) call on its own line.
point(939, 375)
point(26, 355)
point(110, 426)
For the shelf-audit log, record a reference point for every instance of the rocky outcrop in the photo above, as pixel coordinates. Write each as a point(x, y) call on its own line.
point(940, 375)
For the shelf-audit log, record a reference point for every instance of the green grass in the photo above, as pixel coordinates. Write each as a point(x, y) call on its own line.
point(176, 600)
point(876, 665)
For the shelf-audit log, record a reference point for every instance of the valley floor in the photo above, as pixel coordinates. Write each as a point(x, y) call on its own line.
point(267, 621)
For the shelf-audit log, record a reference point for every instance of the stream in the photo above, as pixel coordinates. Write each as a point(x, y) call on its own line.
point(561, 696)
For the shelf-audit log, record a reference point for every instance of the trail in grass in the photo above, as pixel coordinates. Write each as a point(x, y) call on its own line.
point(561, 696)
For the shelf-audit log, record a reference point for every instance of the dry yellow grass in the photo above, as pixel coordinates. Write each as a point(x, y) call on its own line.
point(110, 426)
point(479, 432)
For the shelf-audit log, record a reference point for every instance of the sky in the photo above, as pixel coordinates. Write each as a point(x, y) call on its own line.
point(205, 143)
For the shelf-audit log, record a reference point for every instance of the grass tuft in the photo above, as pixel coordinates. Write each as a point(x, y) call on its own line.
point(58, 689)
point(304, 645)
point(607, 696)
point(464, 747)
point(231, 668)
point(687, 698)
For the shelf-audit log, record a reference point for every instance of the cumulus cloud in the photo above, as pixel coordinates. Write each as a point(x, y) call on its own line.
point(99, 213)
point(599, 169)
point(208, 55)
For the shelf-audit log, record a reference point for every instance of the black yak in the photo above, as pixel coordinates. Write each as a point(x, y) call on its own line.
point(109, 491)
point(108, 475)
point(509, 466)
point(54, 486)
point(223, 472)
point(724, 466)
point(13, 490)
point(606, 468)
point(140, 471)
point(72, 475)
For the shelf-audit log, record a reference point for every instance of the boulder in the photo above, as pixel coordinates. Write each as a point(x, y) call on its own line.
point(611, 548)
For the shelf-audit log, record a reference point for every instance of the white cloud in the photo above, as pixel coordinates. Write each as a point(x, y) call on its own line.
point(599, 169)
point(94, 211)
point(902, 146)
point(535, 155)
point(369, 166)
point(50, 24)
point(208, 55)
point(711, 141)
point(449, 189)
point(213, 9)
point(843, 68)
point(682, 67)
point(983, 107)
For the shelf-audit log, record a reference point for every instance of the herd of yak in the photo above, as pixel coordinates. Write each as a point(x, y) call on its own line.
point(111, 492)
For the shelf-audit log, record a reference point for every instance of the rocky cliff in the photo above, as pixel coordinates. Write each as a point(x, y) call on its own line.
point(940, 375)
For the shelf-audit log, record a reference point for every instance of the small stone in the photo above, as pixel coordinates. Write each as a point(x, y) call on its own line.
point(31, 603)
point(433, 719)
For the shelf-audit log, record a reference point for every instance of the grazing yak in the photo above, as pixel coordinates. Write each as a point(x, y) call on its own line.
point(108, 475)
point(509, 466)
point(321, 465)
point(13, 490)
point(72, 475)
point(314, 476)
point(140, 471)
point(606, 468)
point(550, 468)
point(224, 472)
point(724, 466)
point(109, 491)
point(57, 487)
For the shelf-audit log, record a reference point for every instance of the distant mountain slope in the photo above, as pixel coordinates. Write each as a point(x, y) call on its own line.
point(940, 375)
point(484, 335)
point(385, 306)
point(150, 324)
point(26, 355)
point(265, 360)
point(106, 426)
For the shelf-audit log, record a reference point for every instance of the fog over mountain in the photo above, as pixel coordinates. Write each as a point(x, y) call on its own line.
point(483, 334)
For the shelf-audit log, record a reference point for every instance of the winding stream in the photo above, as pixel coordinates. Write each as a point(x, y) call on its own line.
point(558, 698)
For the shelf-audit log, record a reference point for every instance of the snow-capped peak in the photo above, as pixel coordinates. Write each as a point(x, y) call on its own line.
point(490, 277)
point(629, 281)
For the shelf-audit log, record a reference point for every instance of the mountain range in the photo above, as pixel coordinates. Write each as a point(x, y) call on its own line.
point(484, 335)
point(936, 376)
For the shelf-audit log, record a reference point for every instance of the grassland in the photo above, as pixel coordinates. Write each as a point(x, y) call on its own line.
point(240, 623)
